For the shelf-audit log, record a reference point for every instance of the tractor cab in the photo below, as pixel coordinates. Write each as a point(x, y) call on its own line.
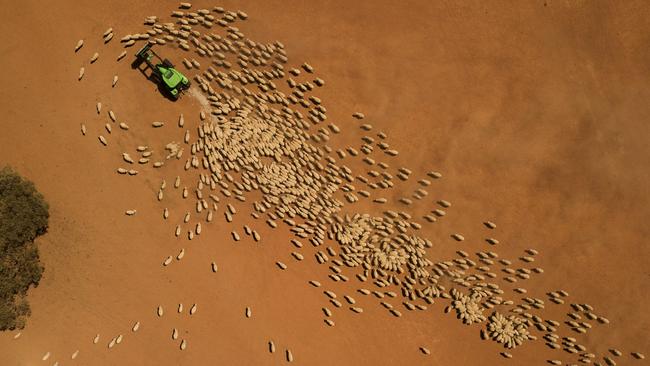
point(172, 79)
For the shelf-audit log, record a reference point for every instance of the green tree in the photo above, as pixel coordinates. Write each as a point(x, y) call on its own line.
point(23, 216)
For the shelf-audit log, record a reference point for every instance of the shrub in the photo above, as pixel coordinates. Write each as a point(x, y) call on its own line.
point(23, 216)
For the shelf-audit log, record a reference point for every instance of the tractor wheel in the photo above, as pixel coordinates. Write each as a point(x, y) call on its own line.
point(155, 78)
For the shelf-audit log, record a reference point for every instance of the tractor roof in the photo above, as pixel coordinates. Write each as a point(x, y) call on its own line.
point(171, 76)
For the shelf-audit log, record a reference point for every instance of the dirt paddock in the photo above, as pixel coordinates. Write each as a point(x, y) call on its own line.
point(536, 115)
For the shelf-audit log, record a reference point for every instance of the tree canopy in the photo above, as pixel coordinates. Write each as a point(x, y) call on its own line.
point(23, 216)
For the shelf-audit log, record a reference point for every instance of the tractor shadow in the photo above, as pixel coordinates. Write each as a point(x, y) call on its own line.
point(137, 65)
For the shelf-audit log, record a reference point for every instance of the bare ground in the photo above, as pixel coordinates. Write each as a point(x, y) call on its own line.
point(536, 115)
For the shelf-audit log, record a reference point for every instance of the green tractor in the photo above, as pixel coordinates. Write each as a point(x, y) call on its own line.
point(170, 80)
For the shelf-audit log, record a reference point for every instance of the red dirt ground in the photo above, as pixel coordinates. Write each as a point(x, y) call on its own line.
point(536, 114)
